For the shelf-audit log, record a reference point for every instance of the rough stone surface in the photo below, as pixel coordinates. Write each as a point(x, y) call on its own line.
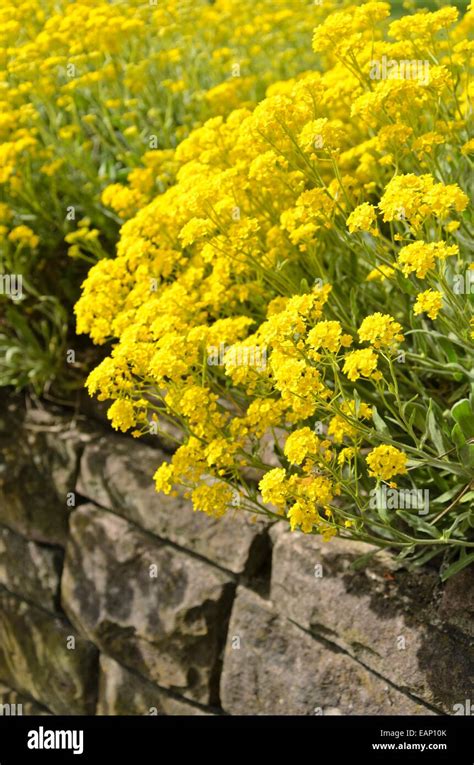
point(117, 474)
point(14, 704)
point(385, 617)
point(30, 570)
point(457, 602)
point(167, 627)
point(35, 658)
point(333, 639)
point(38, 466)
point(280, 669)
point(122, 692)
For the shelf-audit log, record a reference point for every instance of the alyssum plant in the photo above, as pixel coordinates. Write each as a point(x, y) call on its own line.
point(330, 227)
point(97, 94)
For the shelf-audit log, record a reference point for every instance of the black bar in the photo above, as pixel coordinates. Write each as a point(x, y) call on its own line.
point(420, 739)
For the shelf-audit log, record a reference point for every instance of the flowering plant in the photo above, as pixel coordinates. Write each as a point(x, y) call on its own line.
point(97, 94)
point(326, 233)
point(292, 285)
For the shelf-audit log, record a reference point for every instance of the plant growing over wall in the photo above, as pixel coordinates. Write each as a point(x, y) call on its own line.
point(300, 301)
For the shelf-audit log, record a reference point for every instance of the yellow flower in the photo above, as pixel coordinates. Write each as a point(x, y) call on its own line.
point(380, 273)
point(468, 147)
point(210, 302)
point(381, 331)
point(305, 515)
point(386, 461)
point(430, 302)
point(362, 363)
point(24, 236)
point(415, 197)
point(363, 218)
point(213, 500)
point(313, 492)
point(345, 455)
point(328, 335)
point(274, 488)
point(122, 200)
point(300, 444)
point(339, 427)
point(420, 257)
point(122, 415)
point(452, 226)
point(68, 132)
point(5, 213)
point(164, 478)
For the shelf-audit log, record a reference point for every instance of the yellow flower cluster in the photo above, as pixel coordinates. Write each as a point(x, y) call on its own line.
point(263, 302)
point(386, 461)
point(429, 302)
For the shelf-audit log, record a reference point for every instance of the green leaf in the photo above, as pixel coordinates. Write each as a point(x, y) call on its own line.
point(434, 431)
point(353, 304)
point(448, 349)
point(356, 401)
point(467, 455)
point(448, 495)
point(381, 507)
point(455, 568)
point(458, 436)
point(379, 423)
point(471, 396)
point(464, 416)
point(424, 557)
point(419, 524)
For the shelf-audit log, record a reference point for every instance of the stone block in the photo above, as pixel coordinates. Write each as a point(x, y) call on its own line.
point(382, 614)
point(30, 570)
point(146, 604)
point(42, 656)
point(272, 667)
point(122, 692)
point(117, 474)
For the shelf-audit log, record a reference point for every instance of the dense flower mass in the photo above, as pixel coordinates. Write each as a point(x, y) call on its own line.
point(94, 96)
point(290, 298)
point(315, 237)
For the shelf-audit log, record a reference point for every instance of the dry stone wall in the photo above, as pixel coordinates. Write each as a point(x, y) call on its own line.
point(114, 600)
